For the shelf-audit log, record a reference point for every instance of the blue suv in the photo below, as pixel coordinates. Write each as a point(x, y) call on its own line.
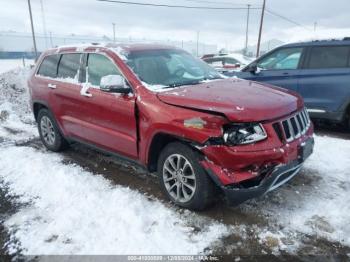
point(318, 70)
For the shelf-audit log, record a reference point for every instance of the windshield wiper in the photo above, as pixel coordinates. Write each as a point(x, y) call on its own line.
point(196, 82)
point(192, 82)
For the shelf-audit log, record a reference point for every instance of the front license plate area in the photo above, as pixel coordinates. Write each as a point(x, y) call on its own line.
point(306, 149)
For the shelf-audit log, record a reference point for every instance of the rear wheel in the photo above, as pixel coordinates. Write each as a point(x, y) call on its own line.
point(49, 132)
point(183, 179)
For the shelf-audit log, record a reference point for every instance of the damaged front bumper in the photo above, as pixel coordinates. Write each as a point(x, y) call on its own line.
point(269, 180)
point(280, 175)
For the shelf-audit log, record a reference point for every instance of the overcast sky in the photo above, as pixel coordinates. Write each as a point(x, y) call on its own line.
point(225, 28)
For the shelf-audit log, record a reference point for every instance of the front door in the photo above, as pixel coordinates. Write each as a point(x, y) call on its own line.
point(108, 119)
point(279, 68)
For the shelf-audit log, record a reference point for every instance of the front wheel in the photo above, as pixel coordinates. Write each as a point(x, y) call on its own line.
point(183, 179)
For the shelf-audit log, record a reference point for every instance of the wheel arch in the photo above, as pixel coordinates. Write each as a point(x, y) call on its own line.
point(159, 142)
point(37, 106)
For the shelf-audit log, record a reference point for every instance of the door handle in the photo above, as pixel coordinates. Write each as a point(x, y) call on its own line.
point(86, 94)
point(84, 90)
point(52, 86)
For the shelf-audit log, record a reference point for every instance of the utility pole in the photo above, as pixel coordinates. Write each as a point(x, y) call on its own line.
point(198, 43)
point(113, 32)
point(315, 26)
point(44, 22)
point(33, 33)
point(247, 31)
point(51, 39)
point(261, 27)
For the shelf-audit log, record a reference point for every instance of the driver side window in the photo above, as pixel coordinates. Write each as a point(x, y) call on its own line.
point(282, 59)
point(98, 67)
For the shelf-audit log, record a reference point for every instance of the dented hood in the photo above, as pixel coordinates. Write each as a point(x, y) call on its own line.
point(240, 100)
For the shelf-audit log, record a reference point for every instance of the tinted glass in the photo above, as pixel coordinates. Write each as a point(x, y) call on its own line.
point(329, 57)
point(69, 66)
point(98, 67)
point(282, 59)
point(49, 66)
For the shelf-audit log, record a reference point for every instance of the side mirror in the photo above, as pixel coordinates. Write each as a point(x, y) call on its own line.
point(114, 84)
point(253, 68)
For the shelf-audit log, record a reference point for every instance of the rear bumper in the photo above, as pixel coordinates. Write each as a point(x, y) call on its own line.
point(279, 176)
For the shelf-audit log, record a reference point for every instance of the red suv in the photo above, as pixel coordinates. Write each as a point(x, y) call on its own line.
point(160, 107)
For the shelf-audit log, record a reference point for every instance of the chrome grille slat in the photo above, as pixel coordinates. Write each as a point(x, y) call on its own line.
point(301, 124)
point(296, 125)
point(303, 119)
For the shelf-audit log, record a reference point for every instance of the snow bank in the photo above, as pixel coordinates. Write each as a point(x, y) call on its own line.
point(16, 118)
point(10, 64)
point(76, 212)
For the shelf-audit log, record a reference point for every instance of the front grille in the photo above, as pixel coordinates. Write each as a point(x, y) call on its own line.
point(296, 126)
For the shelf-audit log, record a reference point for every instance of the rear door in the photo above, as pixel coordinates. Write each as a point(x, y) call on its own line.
point(65, 96)
point(325, 81)
point(280, 68)
point(45, 78)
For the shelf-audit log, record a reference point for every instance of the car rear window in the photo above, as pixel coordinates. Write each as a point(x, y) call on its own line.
point(48, 67)
point(69, 66)
point(328, 57)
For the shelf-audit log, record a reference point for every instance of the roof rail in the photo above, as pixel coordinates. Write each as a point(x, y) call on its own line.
point(332, 39)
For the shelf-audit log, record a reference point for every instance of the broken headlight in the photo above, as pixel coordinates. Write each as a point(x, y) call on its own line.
point(240, 134)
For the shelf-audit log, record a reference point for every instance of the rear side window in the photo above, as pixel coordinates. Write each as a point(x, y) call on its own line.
point(328, 57)
point(98, 67)
point(69, 66)
point(48, 67)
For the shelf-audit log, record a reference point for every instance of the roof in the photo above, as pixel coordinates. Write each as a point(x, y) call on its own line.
point(113, 46)
point(344, 41)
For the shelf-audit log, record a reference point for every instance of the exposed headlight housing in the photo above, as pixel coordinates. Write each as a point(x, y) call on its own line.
point(241, 134)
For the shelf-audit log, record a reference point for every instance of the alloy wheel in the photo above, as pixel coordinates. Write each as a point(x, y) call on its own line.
point(47, 130)
point(179, 178)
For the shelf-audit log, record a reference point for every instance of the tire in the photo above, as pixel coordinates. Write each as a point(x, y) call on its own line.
point(196, 189)
point(49, 132)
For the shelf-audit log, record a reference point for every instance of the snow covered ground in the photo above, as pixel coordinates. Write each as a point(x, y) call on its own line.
point(9, 64)
point(71, 210)
point(76, 212)
point(320, 204)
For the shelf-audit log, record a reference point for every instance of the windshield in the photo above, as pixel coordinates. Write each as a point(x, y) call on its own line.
point(169, 68)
